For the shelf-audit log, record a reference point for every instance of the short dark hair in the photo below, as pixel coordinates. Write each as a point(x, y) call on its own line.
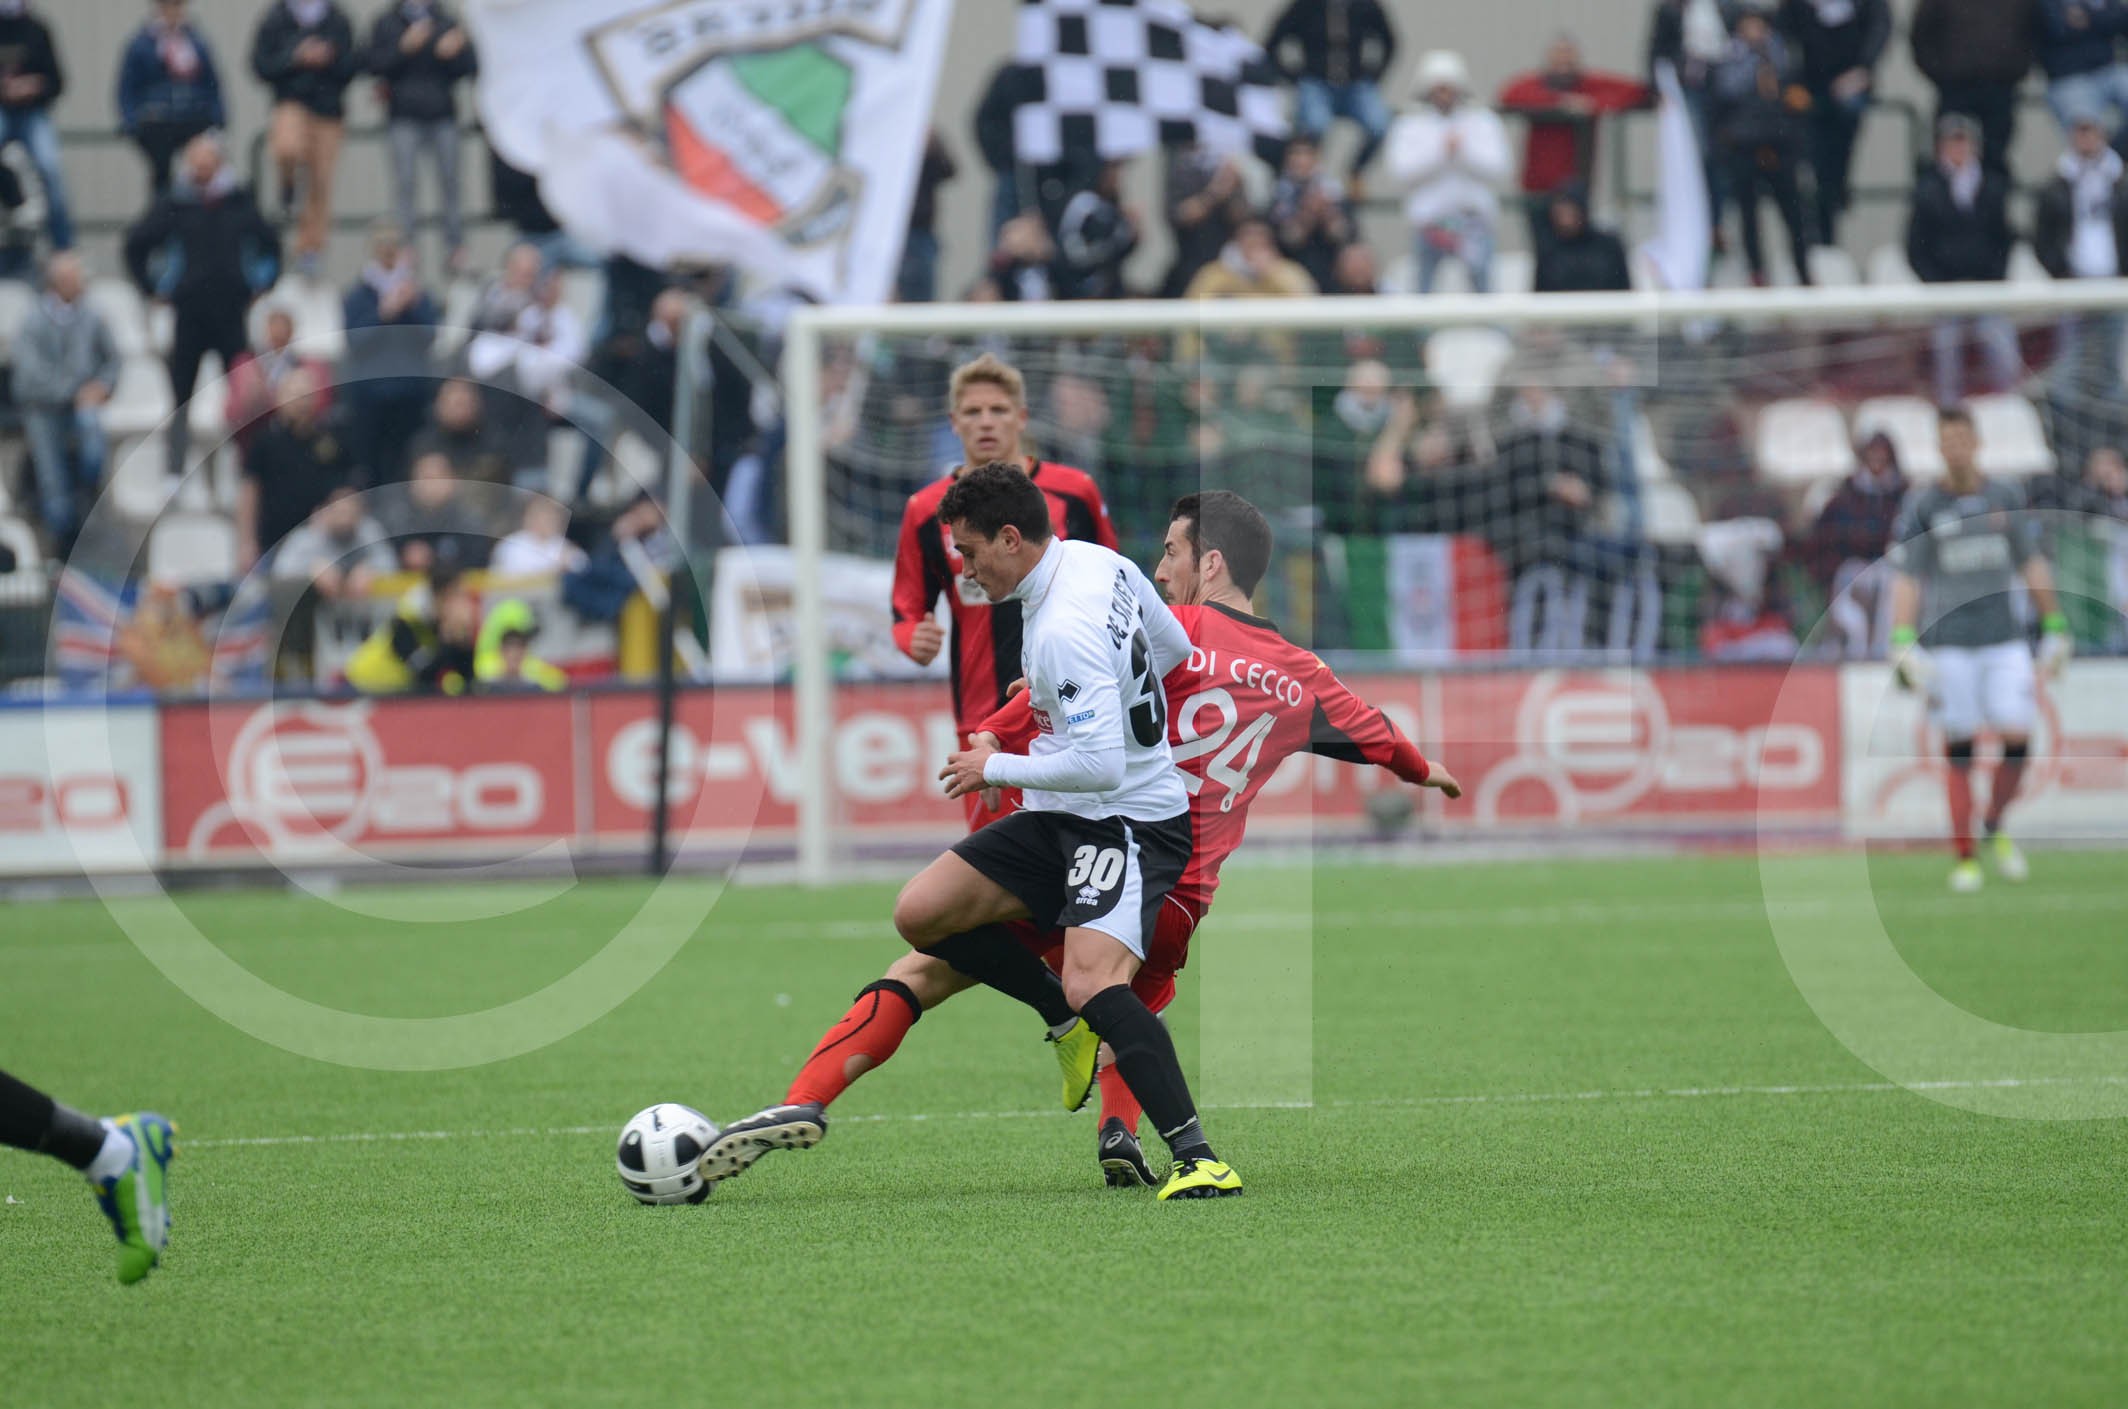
point(1954, 415)
point(1222, 519)
point(991, 496)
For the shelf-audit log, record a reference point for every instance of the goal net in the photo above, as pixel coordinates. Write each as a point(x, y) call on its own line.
point(1469, 489)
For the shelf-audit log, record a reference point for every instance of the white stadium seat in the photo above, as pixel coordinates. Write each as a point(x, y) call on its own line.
point(1910, 421)
point(1802, 440)
point(16, 300)
point(2012, 440)
point(125, 312)
point(2025, 267)
point(1834, 268)
point(1671, 514)
point(186, 549)
point(1465, 363)
point(140, 403)
point(584, 291)
point(1888, 267)
point(1647, 452)
point(1514, 272)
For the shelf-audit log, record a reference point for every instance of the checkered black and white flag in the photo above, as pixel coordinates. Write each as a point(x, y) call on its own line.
point(1122, 76)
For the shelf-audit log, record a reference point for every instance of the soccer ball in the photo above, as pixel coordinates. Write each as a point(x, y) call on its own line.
point(658, 1152)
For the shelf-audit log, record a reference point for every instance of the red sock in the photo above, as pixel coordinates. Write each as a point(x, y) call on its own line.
point(2009, 777)
point(866, 1036)
point(1958, 782)
point(1117, 1102)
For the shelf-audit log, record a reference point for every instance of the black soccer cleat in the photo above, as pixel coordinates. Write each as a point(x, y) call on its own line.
point(742, 1142)
point(1123, 1163)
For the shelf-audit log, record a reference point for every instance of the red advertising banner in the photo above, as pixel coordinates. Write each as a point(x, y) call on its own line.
point(373, 778)
point(389, 778)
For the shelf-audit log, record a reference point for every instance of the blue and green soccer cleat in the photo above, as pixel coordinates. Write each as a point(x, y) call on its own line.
point(137, 1201)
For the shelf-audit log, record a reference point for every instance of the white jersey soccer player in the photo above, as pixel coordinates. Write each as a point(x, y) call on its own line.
point(1959, 548)
point(1102, 839)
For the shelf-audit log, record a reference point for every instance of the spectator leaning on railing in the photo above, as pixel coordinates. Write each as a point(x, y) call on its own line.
point(1840, 43)
point(1336, 52)
point(420, 53)
point(65, 367)
point(304, 50)
point(168, 89)
point(205, 249)
point(30, 82)
point(1565, 104)
point(1449, 154)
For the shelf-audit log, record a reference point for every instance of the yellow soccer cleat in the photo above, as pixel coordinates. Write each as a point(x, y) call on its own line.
point(1078, 1053)
point(1967, 878)
point(2009, 862)
point(1200, 1179)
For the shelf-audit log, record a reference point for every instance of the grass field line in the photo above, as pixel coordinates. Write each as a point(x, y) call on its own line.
point(1493, 1098)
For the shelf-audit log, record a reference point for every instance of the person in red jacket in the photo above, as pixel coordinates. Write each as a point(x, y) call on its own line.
point(987, 400)
point(1244, 701)
point(1565, 104)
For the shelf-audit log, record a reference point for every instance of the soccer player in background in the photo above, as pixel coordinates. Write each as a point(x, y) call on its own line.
point(1957, 549)
point(1104, 835)
point(1218, 548)
point(987, 400)
point(126, 1161)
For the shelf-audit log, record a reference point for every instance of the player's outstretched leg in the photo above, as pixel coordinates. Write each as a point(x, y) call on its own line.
point(738, 1145)
point(126, 1162)
point(2002, 853)
point(1097, 970)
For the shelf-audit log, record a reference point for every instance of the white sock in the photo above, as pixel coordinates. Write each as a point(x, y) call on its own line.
point(115, 1156)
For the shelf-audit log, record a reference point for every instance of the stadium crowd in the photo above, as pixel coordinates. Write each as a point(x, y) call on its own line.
point(432, 446)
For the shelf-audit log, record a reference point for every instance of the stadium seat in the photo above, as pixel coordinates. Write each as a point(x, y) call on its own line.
point(2012, 440)
point(1671, 513)
point(1816, 498)
point(1833, 268)
point(1801, 440)
point(1888, 267)
point(1514, 272)
point(461, 301)
point(1401, 276)
point(26, 585)
point(2025, 267)
point(125, 312)
point(321, 326)
point(1647, 452)
point(16, 300)
point(1465, 363)
point(1910, 421)
point(187, 549)
point(140, 403)
point(584, 291)
point(134, 480)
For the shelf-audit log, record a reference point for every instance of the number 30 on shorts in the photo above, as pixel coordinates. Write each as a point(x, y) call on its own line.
point(1098, 867)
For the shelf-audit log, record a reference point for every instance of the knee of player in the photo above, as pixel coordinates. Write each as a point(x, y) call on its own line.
point(933, 981)
point(915, 918)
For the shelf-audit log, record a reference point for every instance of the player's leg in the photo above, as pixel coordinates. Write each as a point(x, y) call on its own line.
point(2009, 698)
point(862, 1040)
point(1122, 1158)
point(125, 1160)
point(1954, 702)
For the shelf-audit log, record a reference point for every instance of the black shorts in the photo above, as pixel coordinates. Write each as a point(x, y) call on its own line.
point(1110, 874)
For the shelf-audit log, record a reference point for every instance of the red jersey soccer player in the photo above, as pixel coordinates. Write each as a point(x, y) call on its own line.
point(1245, 701)
point(1230, 727)
point(988, 403)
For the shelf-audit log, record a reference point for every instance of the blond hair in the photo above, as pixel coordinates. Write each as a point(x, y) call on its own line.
point(991, 370)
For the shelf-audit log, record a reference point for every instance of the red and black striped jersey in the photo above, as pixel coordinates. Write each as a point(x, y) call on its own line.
point(1245, 701)
point(984, 640)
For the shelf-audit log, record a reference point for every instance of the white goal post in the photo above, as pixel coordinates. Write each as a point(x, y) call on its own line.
point(810, 330)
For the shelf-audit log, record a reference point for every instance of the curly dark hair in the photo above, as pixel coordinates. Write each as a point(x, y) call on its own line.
point(990, 496)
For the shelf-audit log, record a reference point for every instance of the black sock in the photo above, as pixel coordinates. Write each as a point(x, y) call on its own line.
point(1145, 1054)
point(992, 956)
point(31, 1120)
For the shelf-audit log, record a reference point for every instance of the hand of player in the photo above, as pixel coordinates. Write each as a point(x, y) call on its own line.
point(993, 798)
point(2055, 648)
point(963, 773)
point(1913, 669)
point(925, 641)
point(1439, 777)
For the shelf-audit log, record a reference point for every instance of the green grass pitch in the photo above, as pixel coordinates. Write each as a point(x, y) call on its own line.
point(1573, 1137)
